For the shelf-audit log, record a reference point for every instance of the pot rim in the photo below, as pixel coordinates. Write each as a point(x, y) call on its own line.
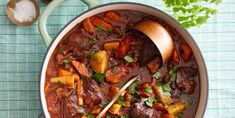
point(126, 3)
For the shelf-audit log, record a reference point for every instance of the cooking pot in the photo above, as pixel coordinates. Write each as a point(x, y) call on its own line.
point(94, 9)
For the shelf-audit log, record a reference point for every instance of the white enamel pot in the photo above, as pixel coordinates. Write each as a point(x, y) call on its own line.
point(94, 9)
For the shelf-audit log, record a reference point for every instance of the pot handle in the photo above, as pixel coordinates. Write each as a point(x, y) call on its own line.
point(43, 18)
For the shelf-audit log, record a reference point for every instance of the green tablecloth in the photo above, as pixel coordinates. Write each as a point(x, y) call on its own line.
point(22, 51)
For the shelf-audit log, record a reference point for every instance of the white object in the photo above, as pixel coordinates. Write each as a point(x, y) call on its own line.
point(24, 11)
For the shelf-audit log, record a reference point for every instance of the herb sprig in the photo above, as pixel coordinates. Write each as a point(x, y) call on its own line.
point(191, 13)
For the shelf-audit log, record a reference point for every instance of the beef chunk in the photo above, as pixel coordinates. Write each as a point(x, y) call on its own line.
point(80, 40)
point(92, 93)
point(140, 110)
point(184, 80)
point(71, 108)
point(53, 105)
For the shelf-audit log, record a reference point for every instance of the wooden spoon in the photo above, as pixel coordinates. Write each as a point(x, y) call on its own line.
point(10, 13)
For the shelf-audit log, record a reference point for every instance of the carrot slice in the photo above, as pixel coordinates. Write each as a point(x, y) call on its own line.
point(87, 25)
point(101, 24)
point(62, 72)
point(81, 68)
point(113, 16)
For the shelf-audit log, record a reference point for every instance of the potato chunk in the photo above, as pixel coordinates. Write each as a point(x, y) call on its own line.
point(176, 108)
point(160, 94)
point(100, 61)
point(66, 80)
point(115, 108)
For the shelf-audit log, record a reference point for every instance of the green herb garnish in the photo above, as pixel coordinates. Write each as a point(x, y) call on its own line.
point(132, 90)
point(99, 78)
point(121, 101)
point(149, 101)
point(108, 116)
point(91, 55)
point(128, 59)
point(91, 116)
point(191, 13)
point(124, 116)
point(100, 27)
point(173, 73)
point(148, 90)
point(165, 88)
point(157, 75)
point(66, 61)
point(110, 29)
point(180, 115)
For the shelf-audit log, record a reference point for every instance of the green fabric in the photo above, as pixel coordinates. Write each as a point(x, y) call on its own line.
point(22, 52)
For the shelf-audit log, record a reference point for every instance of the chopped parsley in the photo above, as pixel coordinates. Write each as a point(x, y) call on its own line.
point(180, 115)
point(132, 89)
point(99, 78)
point(100, 27)
point(110, 30)
point(124, 116)
point(173, 73)
point(81, 107)
point(91, 116)
point(121, 101)
point(149, 101)
point(91, 55)
point(128, 59)
point(165, 88)
point(66, 61)
point(108, 116)
point(157, 75)
point(148, 90)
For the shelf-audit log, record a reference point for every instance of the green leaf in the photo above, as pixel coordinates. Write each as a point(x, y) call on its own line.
point(91, 55)
point(202, 19)
point(100, 27)
point(165, 88)
point(66, 61)
point(91, 116)
point(129, 59)
point(149, 101)
point(148, 90)
point(99, 78)
point(180, 115)
point(121, 101)
point(110, 29)
point(124, 116)
point(108, 116)
point(157, 75)
point(132, 88)
point(191, 13)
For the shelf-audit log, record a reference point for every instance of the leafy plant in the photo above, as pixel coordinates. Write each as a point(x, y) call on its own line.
point(191, 13)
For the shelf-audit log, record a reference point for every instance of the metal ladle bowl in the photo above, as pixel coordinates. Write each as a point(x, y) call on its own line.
point(159, 36)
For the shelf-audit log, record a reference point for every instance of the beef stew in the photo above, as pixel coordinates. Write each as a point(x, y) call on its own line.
point(98, 56)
